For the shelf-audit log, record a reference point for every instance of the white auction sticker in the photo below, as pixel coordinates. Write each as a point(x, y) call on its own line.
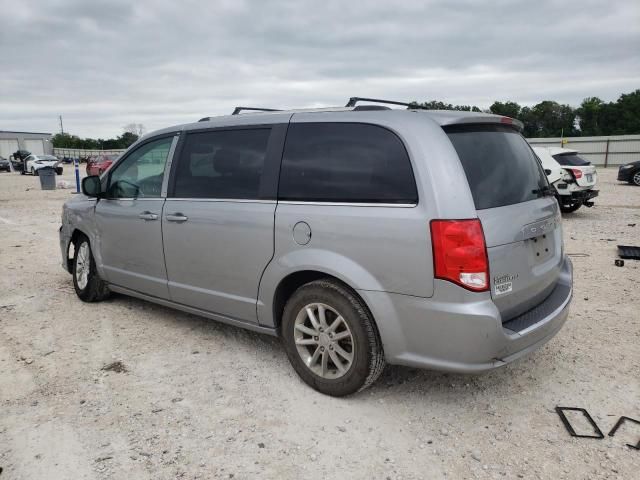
point(503, 288)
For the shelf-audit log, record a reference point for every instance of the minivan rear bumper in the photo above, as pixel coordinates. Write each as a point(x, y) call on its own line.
point(458, 332)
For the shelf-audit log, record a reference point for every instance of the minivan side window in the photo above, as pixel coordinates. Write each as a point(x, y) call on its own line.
point(222, 164)
point(345, 162)
point(140, 174)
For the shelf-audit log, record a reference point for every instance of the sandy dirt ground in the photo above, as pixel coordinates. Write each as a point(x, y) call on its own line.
point(203, 400)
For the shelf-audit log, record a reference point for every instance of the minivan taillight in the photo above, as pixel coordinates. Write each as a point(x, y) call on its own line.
point(460, 253)
point(576, 173)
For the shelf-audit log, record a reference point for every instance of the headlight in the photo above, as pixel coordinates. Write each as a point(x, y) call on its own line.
point(626, 166)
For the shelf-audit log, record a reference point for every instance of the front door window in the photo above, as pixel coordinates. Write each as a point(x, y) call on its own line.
point(141, 173)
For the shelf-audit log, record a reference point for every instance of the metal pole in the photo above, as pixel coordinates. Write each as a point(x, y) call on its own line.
point(75, 163)
point(606, 154)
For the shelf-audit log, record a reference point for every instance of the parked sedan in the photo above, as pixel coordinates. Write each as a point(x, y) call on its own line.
point(98, 164)
point(630, 172)
point(33, 163)
point(5, 166)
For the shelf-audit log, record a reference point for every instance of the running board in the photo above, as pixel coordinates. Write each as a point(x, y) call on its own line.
point(195, 311)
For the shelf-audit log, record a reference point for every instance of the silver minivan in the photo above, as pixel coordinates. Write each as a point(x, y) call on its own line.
point(361, 236)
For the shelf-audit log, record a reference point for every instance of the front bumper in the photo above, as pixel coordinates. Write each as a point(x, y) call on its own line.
point(461, 332)
point(624, 174)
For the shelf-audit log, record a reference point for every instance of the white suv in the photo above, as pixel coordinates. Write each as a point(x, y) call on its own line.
point(572, 177)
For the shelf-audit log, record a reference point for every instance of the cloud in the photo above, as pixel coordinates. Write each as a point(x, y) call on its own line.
point(103, 64)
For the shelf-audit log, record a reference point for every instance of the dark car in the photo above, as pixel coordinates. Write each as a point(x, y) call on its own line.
point(630, 172)
point(21, 154)
point(5, 166)
point(17, 164)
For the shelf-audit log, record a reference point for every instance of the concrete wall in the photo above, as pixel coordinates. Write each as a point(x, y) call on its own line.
point(600, 151)
point(24, 140)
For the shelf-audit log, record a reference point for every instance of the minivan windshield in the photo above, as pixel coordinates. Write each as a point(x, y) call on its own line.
point(500, 166)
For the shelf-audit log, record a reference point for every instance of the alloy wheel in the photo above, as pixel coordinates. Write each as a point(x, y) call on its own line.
point(83, 265)
point(324, 340)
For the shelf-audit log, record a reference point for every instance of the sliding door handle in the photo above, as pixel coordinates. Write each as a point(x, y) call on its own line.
point(176, 217)
point(147, 215)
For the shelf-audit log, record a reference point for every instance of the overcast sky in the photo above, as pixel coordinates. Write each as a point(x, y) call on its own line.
point(102, 64)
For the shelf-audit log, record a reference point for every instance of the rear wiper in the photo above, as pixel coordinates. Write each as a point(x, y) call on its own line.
point(545, 191)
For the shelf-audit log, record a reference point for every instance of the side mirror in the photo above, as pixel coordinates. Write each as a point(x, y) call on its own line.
point(547, 171)
point(91, 186)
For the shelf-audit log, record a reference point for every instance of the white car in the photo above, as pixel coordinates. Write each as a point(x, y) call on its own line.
point(33, 163)
point(572, 177)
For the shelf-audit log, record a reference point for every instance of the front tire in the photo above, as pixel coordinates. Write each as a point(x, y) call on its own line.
point(636, 178)
point(331, 339)
point(34, 172)
point(87, 283)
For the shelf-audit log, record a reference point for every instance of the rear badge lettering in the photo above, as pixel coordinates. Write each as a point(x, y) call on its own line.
point(503, 284)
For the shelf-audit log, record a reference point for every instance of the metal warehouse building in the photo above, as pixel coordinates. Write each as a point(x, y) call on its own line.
point(37, 143)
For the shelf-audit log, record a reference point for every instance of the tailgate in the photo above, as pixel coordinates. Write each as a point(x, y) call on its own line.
point(524, 246)
point(588, 178)
point(521, 224)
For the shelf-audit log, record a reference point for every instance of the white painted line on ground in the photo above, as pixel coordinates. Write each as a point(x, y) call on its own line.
point(6, 221)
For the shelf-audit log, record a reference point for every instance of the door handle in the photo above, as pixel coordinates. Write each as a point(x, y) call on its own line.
point(176, 217)
point(147, 215)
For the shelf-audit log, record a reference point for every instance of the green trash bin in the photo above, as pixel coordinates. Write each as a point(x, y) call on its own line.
point(47, 178)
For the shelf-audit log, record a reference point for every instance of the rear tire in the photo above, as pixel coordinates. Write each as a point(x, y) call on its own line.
point(340, 355)
point(87, 283)
point(34, 172)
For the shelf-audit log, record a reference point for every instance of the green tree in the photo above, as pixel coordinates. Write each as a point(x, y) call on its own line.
point(627, 113)
point(66, 140)
point(550, 119)
point(507, 109)
point(589, 114)
point(437, 105)
point(127, 138)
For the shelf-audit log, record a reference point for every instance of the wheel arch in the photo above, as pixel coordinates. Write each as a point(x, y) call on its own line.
point(294, 280)
point(77, 233)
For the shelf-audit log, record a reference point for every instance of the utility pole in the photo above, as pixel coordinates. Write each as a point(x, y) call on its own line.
point(61, 127)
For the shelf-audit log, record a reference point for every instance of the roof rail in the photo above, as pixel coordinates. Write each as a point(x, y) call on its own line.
point(237, 110)
point(353, 100)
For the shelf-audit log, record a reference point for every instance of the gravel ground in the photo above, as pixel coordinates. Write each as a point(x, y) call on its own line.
point(195, 399)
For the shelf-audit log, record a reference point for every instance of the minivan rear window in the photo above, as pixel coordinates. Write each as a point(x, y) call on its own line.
point(345, 162)
point(571, 159)
point(500, 166)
